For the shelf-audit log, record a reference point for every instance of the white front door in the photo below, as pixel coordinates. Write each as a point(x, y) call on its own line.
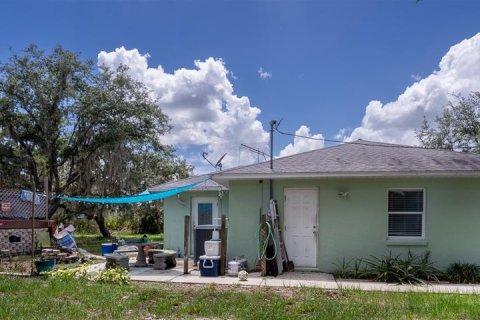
point(205, 219)
point(301, 226)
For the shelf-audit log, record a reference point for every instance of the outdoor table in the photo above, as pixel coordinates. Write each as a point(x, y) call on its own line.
point(141, 260)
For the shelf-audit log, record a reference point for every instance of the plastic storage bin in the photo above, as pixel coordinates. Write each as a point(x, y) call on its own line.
point(236, 266)
point(209, 266)
point(212, 248)
point(107, 248)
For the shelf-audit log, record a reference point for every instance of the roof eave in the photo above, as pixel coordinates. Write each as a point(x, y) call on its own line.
point(224, 178)
point(190, 190)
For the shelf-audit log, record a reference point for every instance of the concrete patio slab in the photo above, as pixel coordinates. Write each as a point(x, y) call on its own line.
point(274, 282)
point(290, 279)
point(431, 287)
point(302, 279)
point(194, 277)
point(148, 274)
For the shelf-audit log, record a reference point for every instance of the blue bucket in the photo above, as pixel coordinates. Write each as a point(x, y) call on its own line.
point(45, 265)
point(107, 248)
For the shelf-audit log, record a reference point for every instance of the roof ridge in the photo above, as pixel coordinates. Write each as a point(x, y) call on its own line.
point(364, 156)
point(275, 159)
point(392, 145)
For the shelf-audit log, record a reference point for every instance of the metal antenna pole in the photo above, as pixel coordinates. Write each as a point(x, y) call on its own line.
point(272, 125)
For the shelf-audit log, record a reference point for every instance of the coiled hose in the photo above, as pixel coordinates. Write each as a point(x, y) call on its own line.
point(262, 249)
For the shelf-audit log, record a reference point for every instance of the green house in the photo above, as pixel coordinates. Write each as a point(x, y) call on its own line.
point(348, 201)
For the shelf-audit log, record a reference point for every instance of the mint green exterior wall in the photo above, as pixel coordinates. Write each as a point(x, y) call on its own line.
point(356, 227)
point(175, 210)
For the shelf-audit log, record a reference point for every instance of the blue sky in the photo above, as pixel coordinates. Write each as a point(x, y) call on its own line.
point(328, 60)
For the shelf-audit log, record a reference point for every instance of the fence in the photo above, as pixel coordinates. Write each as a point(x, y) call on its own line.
point(15, 205)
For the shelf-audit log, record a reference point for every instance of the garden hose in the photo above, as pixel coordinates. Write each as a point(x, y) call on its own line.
point(262, 249)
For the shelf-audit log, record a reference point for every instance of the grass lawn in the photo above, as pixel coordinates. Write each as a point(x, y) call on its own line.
point(92, 242)
point(54, 299)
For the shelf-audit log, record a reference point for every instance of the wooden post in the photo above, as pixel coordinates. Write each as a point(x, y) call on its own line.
point(45, 189)
point(223, 245)
point(263, 261)
point(185, 244)
point(34, 194)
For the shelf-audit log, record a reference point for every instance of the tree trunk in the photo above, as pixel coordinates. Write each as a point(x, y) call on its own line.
point(53, 205)
point(101, 225)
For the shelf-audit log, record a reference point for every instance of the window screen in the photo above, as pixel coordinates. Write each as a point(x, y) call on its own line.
point(405, 225)
point(405, 213)
point(405, 201)
point(205, 214)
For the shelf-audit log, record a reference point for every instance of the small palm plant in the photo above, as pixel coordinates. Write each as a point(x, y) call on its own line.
point(415, 269)
point(459, 272)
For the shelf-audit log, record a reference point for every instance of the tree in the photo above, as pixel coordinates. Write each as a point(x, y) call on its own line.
point(458, 128)
point(90, 132)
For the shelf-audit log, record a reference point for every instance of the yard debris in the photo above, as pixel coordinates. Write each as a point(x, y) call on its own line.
point(60, 255)
point(64, 236)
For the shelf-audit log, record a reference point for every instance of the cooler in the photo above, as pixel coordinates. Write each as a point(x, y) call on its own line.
point(107, 248)
point(209, 266)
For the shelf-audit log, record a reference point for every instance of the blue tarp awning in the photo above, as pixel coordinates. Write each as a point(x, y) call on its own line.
point(142, 197)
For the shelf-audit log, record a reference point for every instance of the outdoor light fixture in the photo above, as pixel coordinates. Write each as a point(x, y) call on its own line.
point(180, 200)
point(343, 194)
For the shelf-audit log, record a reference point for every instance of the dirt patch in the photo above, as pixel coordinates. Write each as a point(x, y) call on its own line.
point(19, 264)
point(287, 292)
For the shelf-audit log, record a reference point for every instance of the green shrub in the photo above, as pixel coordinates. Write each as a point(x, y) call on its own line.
point(459, 272)
point(353, 269)
point(79, 273)
point(85, 226)
point(123, 222)
point(415, 269)
point(115, 275)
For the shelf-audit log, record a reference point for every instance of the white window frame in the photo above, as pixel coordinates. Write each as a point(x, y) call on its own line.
point(215, 220)
point(423, 213)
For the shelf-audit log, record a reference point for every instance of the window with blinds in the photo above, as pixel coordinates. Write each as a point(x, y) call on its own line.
point(406, 213)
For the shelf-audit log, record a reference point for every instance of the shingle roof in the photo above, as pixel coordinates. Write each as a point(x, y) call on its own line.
point(204, 186)
point(359, 158)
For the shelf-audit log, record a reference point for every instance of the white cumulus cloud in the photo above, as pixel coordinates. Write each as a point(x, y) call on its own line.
point(416, 77)
point(205, 112)
point(342, 134)
point(302, 144)
point(396, 121)
point(264, 74)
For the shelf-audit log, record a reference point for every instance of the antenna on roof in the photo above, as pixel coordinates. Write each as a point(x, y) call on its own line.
point(218, 164)
point(257, 151)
